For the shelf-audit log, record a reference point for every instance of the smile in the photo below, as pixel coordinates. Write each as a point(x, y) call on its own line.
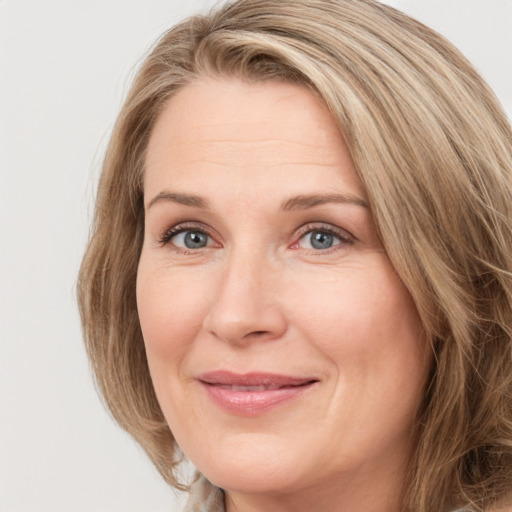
point(251, 388)
point(254, 393)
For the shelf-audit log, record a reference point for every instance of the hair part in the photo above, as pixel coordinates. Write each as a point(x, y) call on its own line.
point(433, 150)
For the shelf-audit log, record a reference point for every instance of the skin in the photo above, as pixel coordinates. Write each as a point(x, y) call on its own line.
point(260, 297)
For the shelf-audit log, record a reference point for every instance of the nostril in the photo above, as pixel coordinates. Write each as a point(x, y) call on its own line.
point(256, 334)
point(236, 322)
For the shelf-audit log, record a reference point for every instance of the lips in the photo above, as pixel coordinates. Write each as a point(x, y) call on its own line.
point(253, 393)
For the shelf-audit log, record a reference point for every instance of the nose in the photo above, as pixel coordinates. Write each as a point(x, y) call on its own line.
point(245, 306)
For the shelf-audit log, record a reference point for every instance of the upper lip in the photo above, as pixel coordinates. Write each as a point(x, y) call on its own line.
point(268, 380)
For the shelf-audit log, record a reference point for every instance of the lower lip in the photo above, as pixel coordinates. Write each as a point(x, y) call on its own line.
point(252, 403)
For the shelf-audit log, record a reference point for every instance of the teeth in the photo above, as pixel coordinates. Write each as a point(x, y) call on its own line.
point(259, 387)
point(249, 388)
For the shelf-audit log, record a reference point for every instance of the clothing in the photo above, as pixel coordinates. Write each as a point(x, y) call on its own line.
point(205, 497)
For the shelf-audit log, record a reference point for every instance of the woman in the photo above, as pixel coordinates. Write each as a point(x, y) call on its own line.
point(299, 273)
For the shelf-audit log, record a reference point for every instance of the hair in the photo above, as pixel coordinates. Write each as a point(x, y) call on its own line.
point(433, 149)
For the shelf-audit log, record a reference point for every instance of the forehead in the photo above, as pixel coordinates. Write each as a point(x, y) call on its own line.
point(215, 129)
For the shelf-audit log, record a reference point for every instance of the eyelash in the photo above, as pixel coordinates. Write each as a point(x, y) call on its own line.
point(344, 236)
point(169, 234)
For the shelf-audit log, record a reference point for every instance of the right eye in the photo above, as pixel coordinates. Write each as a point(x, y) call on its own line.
point(190, 239)
point(185, 237)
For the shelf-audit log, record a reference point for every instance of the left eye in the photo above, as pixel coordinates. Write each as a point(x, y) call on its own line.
point(319, 240)
point(190, 239)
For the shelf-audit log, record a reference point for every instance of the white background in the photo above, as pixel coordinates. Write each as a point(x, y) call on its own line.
point(64, 69)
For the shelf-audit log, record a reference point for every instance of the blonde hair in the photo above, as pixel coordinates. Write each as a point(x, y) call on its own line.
point(433, 149)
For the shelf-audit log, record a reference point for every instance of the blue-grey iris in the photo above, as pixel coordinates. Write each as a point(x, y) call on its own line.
point(321, 240)
point(195, 239)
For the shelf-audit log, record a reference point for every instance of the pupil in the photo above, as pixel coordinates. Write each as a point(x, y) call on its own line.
point(195, 239)
point(320, 240)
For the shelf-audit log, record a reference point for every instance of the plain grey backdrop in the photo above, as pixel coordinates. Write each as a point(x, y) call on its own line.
point(65, 67)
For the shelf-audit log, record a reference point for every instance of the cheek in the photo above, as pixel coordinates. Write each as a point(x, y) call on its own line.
point(366, 325)
point(171, 310)
point(361, 319)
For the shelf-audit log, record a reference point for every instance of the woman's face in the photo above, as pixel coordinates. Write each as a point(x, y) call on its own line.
point(285, 352)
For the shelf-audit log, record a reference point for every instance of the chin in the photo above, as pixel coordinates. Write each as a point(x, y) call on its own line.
point(256, 467)
point(255, 480)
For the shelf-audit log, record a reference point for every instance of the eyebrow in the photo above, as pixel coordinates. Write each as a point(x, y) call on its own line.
point(304, 202)
point(301, 202)
point(184, 199)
